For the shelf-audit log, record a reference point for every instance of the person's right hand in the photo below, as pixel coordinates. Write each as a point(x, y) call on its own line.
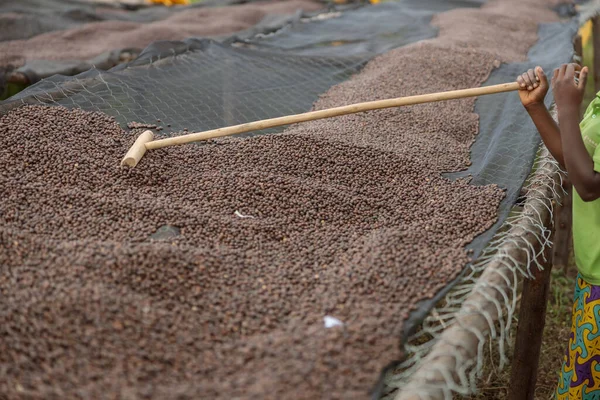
point(534, 86)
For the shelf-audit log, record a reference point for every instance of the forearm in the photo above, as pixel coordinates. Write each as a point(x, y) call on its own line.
point(548, 129)
point(578, 162)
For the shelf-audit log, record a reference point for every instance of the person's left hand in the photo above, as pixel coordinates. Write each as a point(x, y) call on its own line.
point(568, 92)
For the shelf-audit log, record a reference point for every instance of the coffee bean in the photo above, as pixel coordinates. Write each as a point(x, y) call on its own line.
point(348, 217)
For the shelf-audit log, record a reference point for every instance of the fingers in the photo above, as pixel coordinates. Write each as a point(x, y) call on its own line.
point(527, 80)
point(532, 78)
point(570, 75)
point(535, 78)
point(562, 70)
point(541, 76)
point(583, 75)
point(570, 71)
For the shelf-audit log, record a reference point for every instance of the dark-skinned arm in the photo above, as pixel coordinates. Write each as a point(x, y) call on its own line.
point(549, 131)
point(578, 162)
point(534, 87)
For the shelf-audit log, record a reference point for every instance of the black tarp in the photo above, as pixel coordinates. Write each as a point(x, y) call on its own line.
point(364, 31)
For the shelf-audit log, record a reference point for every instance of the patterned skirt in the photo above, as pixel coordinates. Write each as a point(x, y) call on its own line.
point(580, 372)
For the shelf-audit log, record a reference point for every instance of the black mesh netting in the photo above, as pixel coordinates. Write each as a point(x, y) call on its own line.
point(507, 143)
point(242, 80)
point(197, 84)
point(200, 84)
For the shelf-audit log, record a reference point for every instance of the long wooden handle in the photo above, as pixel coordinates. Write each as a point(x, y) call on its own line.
point(331, 112)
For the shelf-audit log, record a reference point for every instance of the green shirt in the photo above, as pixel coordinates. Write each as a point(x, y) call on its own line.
point(586, 216)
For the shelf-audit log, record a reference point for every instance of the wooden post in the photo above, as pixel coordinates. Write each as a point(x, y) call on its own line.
point(596, 45)
point(528, 343)
point(563, 220)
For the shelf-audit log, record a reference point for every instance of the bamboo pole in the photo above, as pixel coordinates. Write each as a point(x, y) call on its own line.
point(138, 153)
point(332, 112)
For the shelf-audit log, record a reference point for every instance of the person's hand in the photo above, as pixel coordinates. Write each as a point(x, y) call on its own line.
point(534, 86)
point(568, 89)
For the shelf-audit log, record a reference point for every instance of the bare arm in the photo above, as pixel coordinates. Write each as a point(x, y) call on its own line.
point(549, 131)
point(535, 86)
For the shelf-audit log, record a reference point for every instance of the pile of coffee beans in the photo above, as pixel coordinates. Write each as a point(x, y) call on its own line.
point(207, 270)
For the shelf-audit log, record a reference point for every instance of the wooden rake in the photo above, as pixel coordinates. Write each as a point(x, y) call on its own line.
point(146, 140)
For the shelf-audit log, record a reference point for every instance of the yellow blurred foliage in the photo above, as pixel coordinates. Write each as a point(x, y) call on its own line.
point(169, 2)
point(586, 32)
